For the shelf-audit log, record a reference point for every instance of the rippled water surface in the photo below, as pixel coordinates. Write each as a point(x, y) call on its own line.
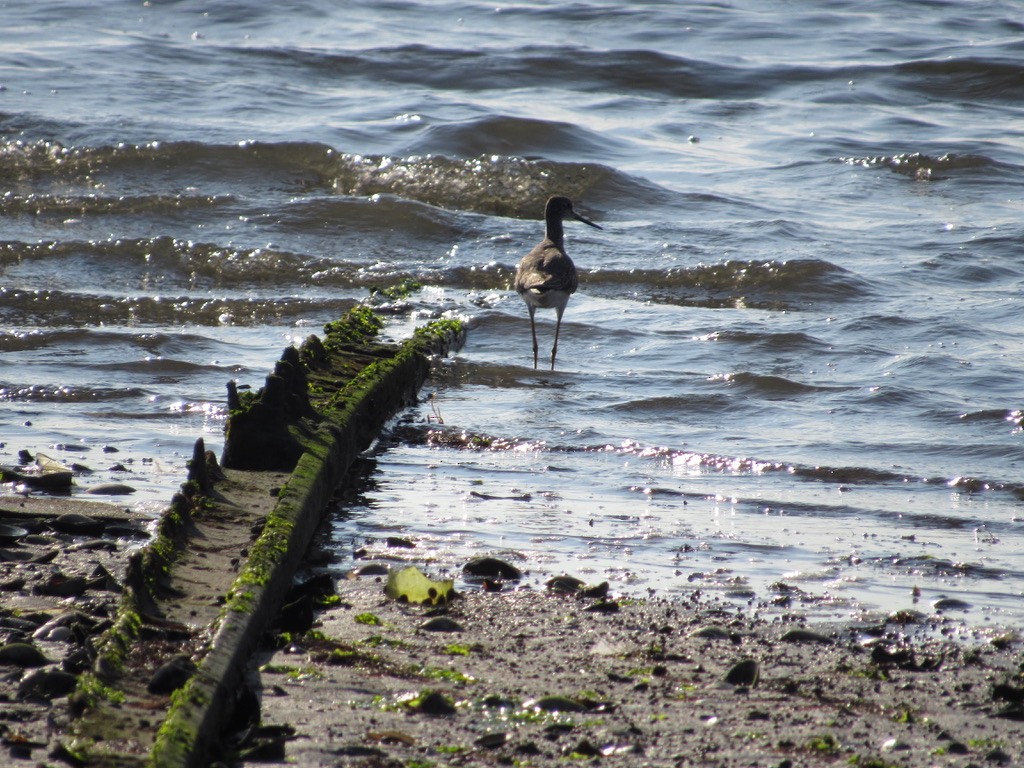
point(793, 365)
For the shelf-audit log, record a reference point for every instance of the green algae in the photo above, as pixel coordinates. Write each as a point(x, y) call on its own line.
point(347, 383)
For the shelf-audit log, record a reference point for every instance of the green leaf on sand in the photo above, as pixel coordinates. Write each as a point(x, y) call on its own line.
point(410, 585)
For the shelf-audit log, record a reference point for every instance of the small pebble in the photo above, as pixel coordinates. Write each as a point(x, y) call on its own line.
point(746, 673)
point(110, 489)
point(441, 624)
point(435, 703)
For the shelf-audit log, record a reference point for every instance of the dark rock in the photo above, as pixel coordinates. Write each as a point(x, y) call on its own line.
point(603, 606)
point(79, 525)
point(103, 580)
point(435, 703)
point(951, 604)
point(805, 636)
point(265, 751)
point(564, 584)
point(441, 624)
point(93, 545)
point(77, 662)
point(492, 740)
point(297, 616)
point(47, 684)
point(712, 633)
point(373, 569)
point(585, 748)
point(171, 675)
point(22, 655)
point(596, 591)
point(11, 533)
point(559, 704)
point(316, 587)
point(110, 489)
point(746, 673)
point(45, 557)
point(1007, 692)
point(496, 700)
point(492, 568)
point(59, 585)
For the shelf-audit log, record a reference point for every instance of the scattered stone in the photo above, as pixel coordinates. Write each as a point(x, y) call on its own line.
point(441, 624)
point(399, 543)
point(44, 557)
point(265, 751)
point(906, 617)
point(93, 545)
point(894, 745)
point(110, 489)
point(22, 655)
point(1006, 692)
point(566, 585)
point(603, 606)
point(597, 591)
point(80, 525)
point(101, 579)
point(435, 703)
point(297, 616)
point(9, 534)
point(585, 748)
point(47, 684)
point(358, 750)
point(492, 568)
point(712, 633)
point(500, 702)
point(951, 604)
point(172, 675)
point(744, 673)
point(805, 636)
point(59, 585)
point(492, 740)
point(557, 704)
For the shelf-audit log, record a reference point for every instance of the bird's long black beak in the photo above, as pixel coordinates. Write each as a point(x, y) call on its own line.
point(586, 221)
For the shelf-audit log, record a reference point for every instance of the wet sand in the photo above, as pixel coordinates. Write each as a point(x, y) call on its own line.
point(530, 676)
point(534, 677)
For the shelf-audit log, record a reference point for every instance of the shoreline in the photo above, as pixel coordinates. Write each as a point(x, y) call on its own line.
point(532, 677)
point(229, 637)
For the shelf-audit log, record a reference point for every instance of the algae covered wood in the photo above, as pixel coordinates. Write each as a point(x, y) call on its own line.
point(347, 377)
point(286, 449)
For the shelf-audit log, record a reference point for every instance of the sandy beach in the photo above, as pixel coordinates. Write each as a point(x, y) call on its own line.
point(531, 677)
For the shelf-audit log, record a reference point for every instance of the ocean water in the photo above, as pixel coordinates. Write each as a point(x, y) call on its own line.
point(792, 370)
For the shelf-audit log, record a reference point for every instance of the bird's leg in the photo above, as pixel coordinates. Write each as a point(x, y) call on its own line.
point(558, 326)
point(533, 332)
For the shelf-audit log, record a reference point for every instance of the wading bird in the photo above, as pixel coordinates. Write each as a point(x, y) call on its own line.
point(546, 276)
